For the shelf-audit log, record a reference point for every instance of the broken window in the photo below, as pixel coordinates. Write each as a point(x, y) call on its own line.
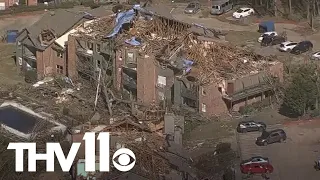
point(59, 69)
point(98, 64)
point(90, 45)
point(130, 58)
point(203, 91)
point(203, 108)
point(98, 48)
point(162, 81)
point(161, 95)
point(59, 54)
point(19, 44)
point(20, 61)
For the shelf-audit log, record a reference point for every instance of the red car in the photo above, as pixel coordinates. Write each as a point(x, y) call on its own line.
point(256, 168)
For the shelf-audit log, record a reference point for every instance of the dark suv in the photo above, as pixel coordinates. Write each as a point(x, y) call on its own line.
point(272, 40)
point(249, 126)
point(302, 47)
point(269, 137)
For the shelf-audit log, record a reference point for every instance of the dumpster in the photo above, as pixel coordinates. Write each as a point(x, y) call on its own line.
point(12, 36)
point(266, 26)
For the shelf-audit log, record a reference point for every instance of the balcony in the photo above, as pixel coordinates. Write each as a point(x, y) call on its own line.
point(30, 57)
point(129, 83)
point(85, 52)
point(248, 91)
point(190, 94)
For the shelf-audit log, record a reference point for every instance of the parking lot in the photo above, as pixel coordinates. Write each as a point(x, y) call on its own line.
point(293, 159)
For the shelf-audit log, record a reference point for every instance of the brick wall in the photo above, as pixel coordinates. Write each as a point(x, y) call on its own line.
point(146, 80)
point(211, 97)
point(72, 58)
point(32, 2)
point(47, 62)
point(9, 3)
point(119, 62)
point(277, 70)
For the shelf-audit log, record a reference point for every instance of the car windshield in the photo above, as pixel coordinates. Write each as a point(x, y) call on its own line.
point(191, 6)
point(239, 11)
point(265, 134)
point(292, 44)
point(215, 7)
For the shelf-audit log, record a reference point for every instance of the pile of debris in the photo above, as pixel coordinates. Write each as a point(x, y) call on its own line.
point(97, 28)
point(213, 60)
point(217, 61)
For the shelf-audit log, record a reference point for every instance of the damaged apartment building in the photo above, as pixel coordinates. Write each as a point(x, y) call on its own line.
point(41, 49)
point(148, 56)
point(159, 59)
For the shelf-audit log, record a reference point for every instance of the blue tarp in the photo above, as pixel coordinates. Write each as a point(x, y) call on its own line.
point(122, 18)
point(133, 41)
point(187, 65)
point(267, 26)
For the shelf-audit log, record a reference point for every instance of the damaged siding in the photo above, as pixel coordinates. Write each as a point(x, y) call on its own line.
point(211, 97)
point(72, 70)
point(146, 80)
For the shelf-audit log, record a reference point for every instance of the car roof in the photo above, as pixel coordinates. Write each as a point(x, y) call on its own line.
point(305, 42)
point(270, 32)
point(244, 8)
point(276, 130)
point(258, 157)
point(247, 121)
point(287, 42)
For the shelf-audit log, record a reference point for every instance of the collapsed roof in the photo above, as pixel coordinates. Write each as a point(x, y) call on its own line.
point(173, 42)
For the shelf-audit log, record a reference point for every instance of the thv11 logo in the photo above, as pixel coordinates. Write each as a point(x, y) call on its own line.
point(126, 158)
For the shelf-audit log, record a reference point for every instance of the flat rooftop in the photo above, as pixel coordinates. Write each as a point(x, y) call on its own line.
point(18, 119)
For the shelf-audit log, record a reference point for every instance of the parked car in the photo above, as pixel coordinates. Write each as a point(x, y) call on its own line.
point(272, 33)
point(256, 159)
point(256, 168)
point(270, 137)
point(220, 7)
point(302, 47)
point(243, 12)
point(192, 8)
point(272, 40)
point(316, 56)
point(287, 46)
point(249, 126)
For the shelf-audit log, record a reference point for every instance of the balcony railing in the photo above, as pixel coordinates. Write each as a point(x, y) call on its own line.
point(86, 52)
point(30, 56)
point(190, 94)
point(249, 91)
point(129, 83)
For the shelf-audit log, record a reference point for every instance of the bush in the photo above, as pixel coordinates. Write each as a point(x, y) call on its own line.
point(246, 110)
point(315, 113)
point(31, 76)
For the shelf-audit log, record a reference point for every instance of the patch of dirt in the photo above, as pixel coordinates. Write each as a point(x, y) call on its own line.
point(8, 70)
point(241, 38)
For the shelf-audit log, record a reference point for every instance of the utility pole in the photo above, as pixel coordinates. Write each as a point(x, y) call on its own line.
point(290, 6)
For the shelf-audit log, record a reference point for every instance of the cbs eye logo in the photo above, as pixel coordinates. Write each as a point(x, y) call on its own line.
point(126, 159)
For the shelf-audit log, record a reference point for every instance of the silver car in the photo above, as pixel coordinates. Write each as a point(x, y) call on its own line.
point(192, 8)
point(221, 6)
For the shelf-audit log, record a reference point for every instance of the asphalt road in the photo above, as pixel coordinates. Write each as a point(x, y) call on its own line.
point(292, 160)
